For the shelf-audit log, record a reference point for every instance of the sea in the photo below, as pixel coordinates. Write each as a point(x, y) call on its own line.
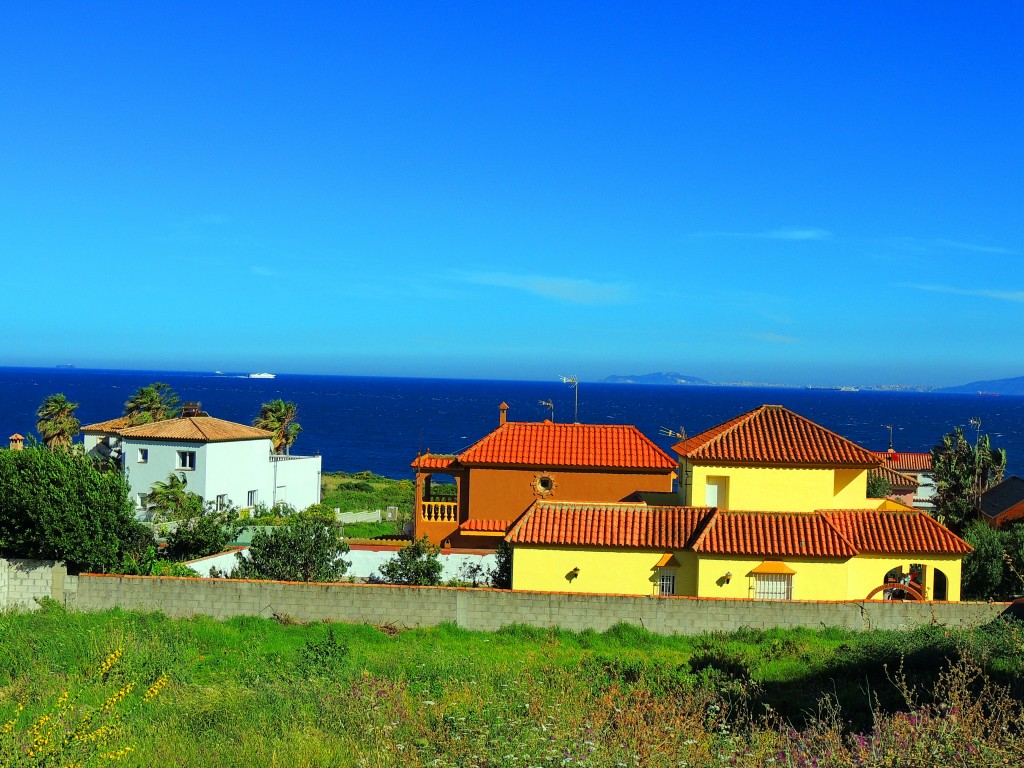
point(380, 424)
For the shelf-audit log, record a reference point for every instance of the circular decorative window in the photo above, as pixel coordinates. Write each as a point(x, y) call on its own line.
point(543, 484)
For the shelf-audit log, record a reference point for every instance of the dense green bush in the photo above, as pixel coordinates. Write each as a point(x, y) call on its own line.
point(203, 530)
point(995, 569)
point(414, 564)
point(55, 505)
point(303, 549)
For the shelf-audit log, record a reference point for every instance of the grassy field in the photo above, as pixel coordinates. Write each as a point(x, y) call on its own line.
point(364, 491)
point(258, 692)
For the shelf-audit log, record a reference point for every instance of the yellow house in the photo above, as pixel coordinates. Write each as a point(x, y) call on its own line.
point(773, 459)
point(636, 549)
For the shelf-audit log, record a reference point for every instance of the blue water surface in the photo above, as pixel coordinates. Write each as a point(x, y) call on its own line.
point(380, 424)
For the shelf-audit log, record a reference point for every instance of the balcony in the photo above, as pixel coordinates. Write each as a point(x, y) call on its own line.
point(439, 511)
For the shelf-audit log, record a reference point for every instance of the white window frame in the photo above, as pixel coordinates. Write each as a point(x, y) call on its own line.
point(222, 501)
point(773, 586)
point(666, 581)
point(253, 498)
point(143, 455)
point(186, 461)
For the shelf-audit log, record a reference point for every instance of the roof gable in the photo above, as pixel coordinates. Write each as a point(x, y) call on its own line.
point(547, 444)
point(1003, 496)
point(897, 480)
point(906, 462)
point(199, 429)
point(874, 531)
point(773, 434)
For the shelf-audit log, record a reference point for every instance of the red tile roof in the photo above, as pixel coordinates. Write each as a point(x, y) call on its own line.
point(897, 480)
point(909, 532)
point(546, 444)
point(197, 429)
point(434, 461)
point(607, 525)
point(906, 462)
point(110, 426)
point(787, 534)
point(834, 533)
point(773, 434)
point(497, 526)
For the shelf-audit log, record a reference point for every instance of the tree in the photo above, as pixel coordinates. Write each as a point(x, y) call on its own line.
point(501, 573)
point(55, 505)
point(415, 564)
point(304, 549)
point(278, 416)
point(56, 422)
point(962, 474)
point(169, 496)
point(154, 402)
point(202, 529)
point(878, 487)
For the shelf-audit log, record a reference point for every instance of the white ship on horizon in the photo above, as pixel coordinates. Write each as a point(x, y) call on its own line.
point(262, 375)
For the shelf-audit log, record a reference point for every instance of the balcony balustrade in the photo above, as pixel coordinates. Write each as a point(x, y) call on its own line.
point(439, 511)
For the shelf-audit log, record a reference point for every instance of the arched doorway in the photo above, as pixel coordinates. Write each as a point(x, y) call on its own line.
point(941, 589)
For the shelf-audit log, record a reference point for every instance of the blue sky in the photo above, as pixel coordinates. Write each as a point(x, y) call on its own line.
point(790, 193)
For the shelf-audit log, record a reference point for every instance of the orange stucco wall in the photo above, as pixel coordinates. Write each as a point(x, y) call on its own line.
point(504, 494)
point(498, 493)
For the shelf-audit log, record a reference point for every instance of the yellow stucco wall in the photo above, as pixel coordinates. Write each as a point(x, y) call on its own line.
point(604, 571)
point(781, 489)
point(633, 572)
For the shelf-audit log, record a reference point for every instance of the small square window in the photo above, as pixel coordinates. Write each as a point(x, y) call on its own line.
point(186, 459)
point(140, 500)
point(773, 586)
point(666, 582)
point(143, 455)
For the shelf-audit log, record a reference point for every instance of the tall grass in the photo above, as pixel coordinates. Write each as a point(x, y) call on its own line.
point(256, 692)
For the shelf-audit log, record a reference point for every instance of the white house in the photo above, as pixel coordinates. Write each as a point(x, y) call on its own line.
point(222, 461)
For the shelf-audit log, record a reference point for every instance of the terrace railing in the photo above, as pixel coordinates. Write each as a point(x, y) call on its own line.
point(439, 511)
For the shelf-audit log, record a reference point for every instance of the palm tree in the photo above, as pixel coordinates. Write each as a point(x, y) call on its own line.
point(278, 417)
point(56, 422)
point(168, 496)
point(155, 402)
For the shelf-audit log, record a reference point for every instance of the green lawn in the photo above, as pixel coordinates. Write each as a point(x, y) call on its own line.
point(256, 692)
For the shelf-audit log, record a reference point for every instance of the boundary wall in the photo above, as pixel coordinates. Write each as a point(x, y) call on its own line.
point(21, 582)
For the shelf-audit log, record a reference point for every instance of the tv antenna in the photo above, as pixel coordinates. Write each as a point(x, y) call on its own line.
point(889, 427)
point(550, 405)
point(574, 382)
point(679, 435)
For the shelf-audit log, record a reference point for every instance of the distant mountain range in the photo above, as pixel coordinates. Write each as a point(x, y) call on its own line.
point(656, 378)
point(1012, 386)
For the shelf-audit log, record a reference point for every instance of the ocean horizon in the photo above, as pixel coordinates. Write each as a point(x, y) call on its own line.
point(380, 424)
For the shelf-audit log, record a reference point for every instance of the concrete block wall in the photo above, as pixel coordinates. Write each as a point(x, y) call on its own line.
point(24, 582)
point(485, 609)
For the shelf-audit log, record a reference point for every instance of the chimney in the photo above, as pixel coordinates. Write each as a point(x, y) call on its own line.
point(192, 409)
point(17, 442)
point(502, 413)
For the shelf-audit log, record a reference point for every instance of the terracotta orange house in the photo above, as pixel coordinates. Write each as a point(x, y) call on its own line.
point(470, 499)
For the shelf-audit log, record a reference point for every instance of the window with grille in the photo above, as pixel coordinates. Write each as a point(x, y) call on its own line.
point(773, 586)
point(666, 582)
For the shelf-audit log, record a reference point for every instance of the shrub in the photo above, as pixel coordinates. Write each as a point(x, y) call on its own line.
point(415, 564)
point(304, 549)
point(204, 531)
point(55, 505)
point(501, 574)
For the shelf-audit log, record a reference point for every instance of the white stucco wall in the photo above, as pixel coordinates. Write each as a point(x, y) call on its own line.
point(237, 467)
point(296, 480)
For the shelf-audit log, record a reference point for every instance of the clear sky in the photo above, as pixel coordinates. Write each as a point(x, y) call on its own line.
point(825, 193)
